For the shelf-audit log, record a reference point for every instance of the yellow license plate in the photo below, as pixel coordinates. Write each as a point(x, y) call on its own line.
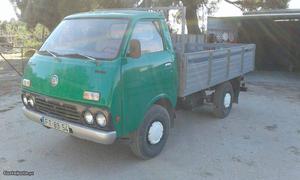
point(56, 125)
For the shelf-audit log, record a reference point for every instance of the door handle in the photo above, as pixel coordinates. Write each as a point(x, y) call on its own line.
point(168, 64)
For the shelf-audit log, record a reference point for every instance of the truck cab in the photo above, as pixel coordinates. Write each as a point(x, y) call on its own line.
point(98, 75)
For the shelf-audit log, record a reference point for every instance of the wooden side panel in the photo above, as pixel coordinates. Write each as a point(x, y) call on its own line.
point(204, 69)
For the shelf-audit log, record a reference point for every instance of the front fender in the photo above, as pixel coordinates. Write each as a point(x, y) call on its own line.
point(157, 98)
point(153, 101)
point(138, 113)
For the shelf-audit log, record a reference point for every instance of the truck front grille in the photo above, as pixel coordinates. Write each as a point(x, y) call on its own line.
point(58, 109)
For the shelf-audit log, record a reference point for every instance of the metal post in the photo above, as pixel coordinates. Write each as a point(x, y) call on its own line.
point(183, 21)
point(183, 9)
point(242, 60)
point(209, 67)
point(228, 62)
point(183, 64)
point(22, 59)
point(253, 54)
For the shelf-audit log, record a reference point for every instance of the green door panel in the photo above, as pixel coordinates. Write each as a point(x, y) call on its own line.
point(144, 79)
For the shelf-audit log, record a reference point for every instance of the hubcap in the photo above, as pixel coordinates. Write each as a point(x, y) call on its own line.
point(227, 100)
point(155, 133)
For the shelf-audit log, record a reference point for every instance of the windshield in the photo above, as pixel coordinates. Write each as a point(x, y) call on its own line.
point(96, 38)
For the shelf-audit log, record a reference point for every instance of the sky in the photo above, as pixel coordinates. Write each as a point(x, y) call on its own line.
point(225, 9)
point(6, 11)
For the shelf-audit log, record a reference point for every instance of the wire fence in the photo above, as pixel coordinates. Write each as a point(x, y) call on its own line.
point(14, 59)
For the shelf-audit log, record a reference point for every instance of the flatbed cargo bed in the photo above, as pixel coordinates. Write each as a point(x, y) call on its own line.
point(203, 66)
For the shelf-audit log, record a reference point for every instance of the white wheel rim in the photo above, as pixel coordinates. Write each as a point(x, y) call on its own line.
point(227, 100)
point(155, 133)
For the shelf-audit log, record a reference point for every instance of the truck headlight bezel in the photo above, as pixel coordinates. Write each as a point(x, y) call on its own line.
point(31, 101)
point(24, 100)
point(101, 119)
point(88, 117)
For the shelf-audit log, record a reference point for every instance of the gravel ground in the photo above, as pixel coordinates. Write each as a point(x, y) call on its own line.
point(259, 140)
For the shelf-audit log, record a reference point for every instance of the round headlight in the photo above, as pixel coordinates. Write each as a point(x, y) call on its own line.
point(25, 100)
point(101, 120)
point(88, 117)
point(30, 102)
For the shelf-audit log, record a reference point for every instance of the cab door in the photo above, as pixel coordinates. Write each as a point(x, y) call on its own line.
point(148, 76)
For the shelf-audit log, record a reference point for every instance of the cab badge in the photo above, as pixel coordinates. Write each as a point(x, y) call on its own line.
point(54, 80)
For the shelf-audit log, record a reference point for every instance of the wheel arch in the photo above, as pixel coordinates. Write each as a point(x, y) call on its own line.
point(166, 102)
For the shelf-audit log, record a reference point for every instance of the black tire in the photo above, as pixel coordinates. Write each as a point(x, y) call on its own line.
point(140, 144)
point(220, 110)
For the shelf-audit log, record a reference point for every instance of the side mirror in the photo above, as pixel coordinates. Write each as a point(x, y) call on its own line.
point(135, 49)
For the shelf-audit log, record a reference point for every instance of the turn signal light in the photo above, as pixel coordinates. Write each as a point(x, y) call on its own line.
point(93, 96)
point(26, 82)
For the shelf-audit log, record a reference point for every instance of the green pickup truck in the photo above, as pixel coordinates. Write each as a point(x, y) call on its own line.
point(115, 75)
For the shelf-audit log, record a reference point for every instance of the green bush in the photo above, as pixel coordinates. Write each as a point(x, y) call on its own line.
point(21, 36)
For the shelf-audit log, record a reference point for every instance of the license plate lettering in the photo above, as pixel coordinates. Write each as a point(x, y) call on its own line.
point(56, 125)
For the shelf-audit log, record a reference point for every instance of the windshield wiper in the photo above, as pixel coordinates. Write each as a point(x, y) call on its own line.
point(88, 57)
point(82, 56)
point(51, 53)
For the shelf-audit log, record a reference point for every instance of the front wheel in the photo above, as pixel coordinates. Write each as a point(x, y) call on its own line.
point(223, 100)
point(150, 138)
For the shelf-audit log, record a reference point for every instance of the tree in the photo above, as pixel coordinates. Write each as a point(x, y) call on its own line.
point(17, 33)
point(191, 12)
point(254, 5)
point(50, 12)
point(192, 6)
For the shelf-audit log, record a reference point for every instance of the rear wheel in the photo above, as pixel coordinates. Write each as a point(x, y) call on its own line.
point(223, 98)
point(150, 138)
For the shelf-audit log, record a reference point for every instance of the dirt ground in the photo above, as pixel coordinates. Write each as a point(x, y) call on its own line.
point(259, 140)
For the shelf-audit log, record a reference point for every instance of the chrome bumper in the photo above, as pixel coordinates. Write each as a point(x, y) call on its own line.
point(79, 131)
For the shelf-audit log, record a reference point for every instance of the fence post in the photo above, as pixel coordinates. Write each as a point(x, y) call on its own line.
point(22, 59)
point(210, 67)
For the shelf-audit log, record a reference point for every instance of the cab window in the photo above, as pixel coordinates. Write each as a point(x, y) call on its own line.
point(149, 35)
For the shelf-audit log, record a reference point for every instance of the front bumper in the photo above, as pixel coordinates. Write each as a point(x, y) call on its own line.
point(79, 131)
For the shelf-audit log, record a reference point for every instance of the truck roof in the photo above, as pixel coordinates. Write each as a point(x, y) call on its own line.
point(129, 14)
